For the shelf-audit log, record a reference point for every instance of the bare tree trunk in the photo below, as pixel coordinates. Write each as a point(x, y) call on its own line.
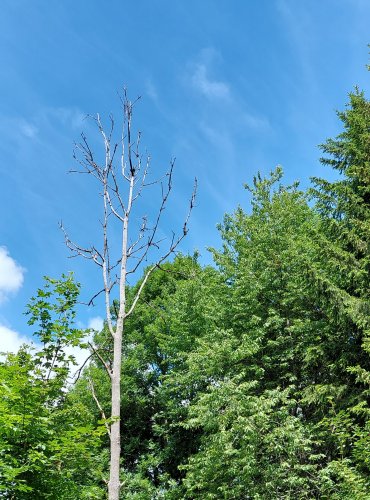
point(115, 434)
point(112, 179)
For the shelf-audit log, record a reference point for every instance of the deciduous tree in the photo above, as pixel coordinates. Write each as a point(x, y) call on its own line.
point(123, 178)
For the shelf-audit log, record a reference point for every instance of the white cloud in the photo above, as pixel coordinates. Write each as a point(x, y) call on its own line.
point(81, 355)
point(96, 323)
point(28, 129)
point(36, 127)
point(10, 340)
point(151, 90)
point(255, 122)
point(219, 137)
point(69, 117)
point(210, 88)
point(11, 274)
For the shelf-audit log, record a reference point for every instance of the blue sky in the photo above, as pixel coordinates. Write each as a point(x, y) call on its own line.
point(228, 88)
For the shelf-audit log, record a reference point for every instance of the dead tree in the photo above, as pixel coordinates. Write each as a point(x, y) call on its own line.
point(123, 177)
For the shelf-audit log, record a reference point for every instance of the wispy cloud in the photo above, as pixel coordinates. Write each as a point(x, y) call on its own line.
point(236, 111)
point(69, 117)
point(224, 123)
point(28, 129)
point(299, 28)
point(201, 79)
point(255, 122)
point(11, 275)
point(20, 130)
point(151, 90)
point(212, 89)
point(217, 136)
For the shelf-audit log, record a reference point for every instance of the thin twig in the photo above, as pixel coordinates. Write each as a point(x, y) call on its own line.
point(99, 405)
point(105, 364)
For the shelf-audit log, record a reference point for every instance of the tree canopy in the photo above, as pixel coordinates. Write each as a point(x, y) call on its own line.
point(248, 378)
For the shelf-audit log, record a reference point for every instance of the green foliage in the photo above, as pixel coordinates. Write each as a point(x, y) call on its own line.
point(47, 440)
point(344, 207)
point(254, 444)
point(250, 379)
point(241, 379)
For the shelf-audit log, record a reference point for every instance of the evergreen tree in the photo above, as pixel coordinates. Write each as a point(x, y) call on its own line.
point(344, 207)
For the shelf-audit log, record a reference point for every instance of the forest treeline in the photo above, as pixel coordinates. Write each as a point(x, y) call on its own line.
point(247, 379)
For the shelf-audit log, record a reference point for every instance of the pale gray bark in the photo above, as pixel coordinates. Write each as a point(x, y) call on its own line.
point(121, 187)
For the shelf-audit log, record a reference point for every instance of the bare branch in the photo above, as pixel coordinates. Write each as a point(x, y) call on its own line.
point(91, 301)
point(78, 373)
point(141, 288)
point(143, 178)
point(142, 230)
point(99, 405)
point(106, 266)
point(112, 175)
point(151, 239)
point(143, 257)
point(191, 206)
point(172, 249)
point(105, 364)
point(114, 211)
point(116, 191)
point(87, 253)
